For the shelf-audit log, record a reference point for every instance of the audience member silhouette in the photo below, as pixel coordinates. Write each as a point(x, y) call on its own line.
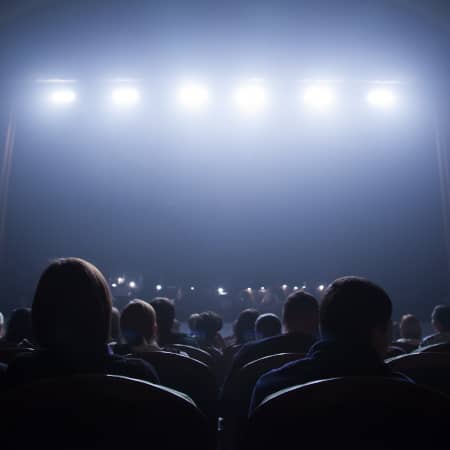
point(440, 319)
point(115, 326)
point(355, 321)
point(301, 325)
point(410, 333)
point(267, 325)
point(71, 317)
point(18, 329)
point(138, 326)
point(165, 317)
point(244, 326)
point(208, 326)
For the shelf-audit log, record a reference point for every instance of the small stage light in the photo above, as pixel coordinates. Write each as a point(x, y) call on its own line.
point(120, 280)
point(381, 98)
point(132, 284)
point(114, 285)
point(319, 97)
point(63, 97)
point(284, 287)
point(159, 287)
point(321, 287)
point(249, 290)
point(295, 288)
point(251, 97)
point(221, 291)
point(125, 96)
point(262, 289)
point(192, 288)
point(192, 96)
point(304, 287)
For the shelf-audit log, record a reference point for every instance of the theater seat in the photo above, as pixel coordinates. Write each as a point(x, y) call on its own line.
point(8, 354)
point(350, 413)
point(428, 368)
point(436, 348)
point(186, 375)
point(196, 353)
point(101, 412)
point(237, 392)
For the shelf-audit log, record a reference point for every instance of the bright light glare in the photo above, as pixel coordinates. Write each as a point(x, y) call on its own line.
point(321, 287)
point(158, 287)
point(249, 290)
point(319, 97)
point(381, 98)
point(114, 285)
point(295, 288)
point(120, 280)
point(192, 288)
point(284, 287)
point(221, 291)
point(132, 284)
point(193, 96)
point(251, 98)
point(63, 97)
point(125, 96)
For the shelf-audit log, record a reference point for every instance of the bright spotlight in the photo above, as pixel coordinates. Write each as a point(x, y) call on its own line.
point(249, 290)
point(321, 287)
point(63, 97)
point(319, 97)
point(304, 287)
point(192, 288)
point(120, 280)
point(125, 96)
point(284, 287)
point(221, 291)
point(251, 97)
point(262, 289)
point(295, 288)
point(158, 287)
point(132, 284)
point(192, 96)
point(381, 98)
point(114, 285)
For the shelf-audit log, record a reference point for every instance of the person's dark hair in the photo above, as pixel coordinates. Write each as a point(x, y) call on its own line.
point(19, 326)
point(192, 322)
point(410, 327)
point(244, 326)
point(138, 322)
point(299, 305)
point(352, 307)
point(72, 306)
point(267, 325)
point(165, 314)
point(115, 325)
point(208, 324)
point(441, 315)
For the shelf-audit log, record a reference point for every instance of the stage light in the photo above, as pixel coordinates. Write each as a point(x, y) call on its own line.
point(132, 284)
point(321, 287)
point(251, 97)
point(63, 97)
point(319, 97)
point(381, 98)
point(159, 287)
point(192, 96)
point(120, 280)
point(295, 288)
point(221, 291)
point(304, 287)
point(192, 288)
point(114, 285)
point(125, 96)
point(262, 289)
point(249, 290)
point(284, 287)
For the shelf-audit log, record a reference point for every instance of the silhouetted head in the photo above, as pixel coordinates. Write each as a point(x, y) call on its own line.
point(244, 326)
point(410, 327)
point(301, 314)
point(355, 310)
point(115, 325)
point(440, 318)
point(208, 324)
point(267, 325)
point(72, 306)
point(192, 322)
point(138, 323)
point(165, 314)
point(19, 326)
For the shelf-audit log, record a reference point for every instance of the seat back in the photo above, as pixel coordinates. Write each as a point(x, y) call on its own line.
point(186, 375)
point(443, 347)
point(196, 353)
point(8, 354)
point(100, 412)
point(430, 369)
point(351, 413)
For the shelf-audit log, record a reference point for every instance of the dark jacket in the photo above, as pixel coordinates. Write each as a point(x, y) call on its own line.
point(41, 364)
point(326, 359)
